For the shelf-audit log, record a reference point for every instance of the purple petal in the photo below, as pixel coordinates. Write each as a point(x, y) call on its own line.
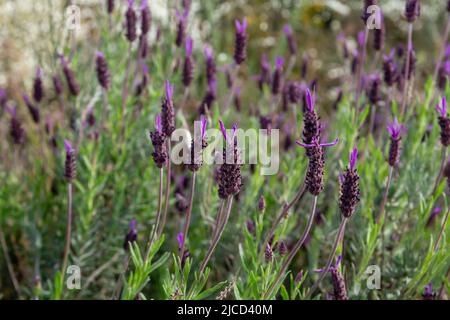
point(353, 158)
point(287, 30)
point(158, 125)
point(310, 100)
point(204, 124)
point(224, 131)
point(180, 240)
point(208, 52)
point(279, 61)
point(189, 45)
point(144, 4)
point(169, 90)
point(68, 145)
point(130, 3)
point(133, 225)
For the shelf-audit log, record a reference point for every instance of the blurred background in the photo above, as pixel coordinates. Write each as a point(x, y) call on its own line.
point(33, 32)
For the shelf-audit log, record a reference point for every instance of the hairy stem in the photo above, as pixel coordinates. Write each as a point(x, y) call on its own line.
point(294, 250)
point(282, 214)
point(340, 235)
point(408, 57)
point(167, 192)
point(218, 236)
point(68, 229)
point(441, 169)
point(218, 219)
point(188, 217)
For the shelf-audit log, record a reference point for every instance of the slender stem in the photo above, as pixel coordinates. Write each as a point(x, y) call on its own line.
point(294, 251)
point(233, 89)
point(188, 217)
point(158, 213)
point(217, 238)
point(105, 106)
point(372, 119)
point(441, 232)
point(330, 258)
point(442, 51)
point(441, 169)
point(167, 192)
point(291, 65)
point(68, 229)
point(282, 214)
point(218, 219)
point(386, 192)
point(9, 264)
point(125, 86)
point(118, 287)
point(408, 57)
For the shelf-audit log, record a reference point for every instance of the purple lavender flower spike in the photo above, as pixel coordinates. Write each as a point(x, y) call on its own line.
point(287, 29)
point(353, 158)
point(208, 51)
point(132, 234)
point(442, 107)
point(240, 53)
point(310, 100)
point(241, 27)
point(222, 128)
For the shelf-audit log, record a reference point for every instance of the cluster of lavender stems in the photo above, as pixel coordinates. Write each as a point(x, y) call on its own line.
point(313, 180)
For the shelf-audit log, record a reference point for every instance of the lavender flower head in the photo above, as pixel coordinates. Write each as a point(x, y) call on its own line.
point(70, 163)
point(57, 85)
point(349, 191)
point(181, 27)
point(131, 236)
point(379, 34)
point(210, 64)
point(102, 70)
point(277, 74)
point(444, 122)
point(268, 253)
point(390, 69)
point(71, 81)
point(374, 88)
point(264, 76)
point(261, 204)
point(394, 129)
point(145, 17)
point(158, 139)
point(290, 39)
point(240, 50)
point(38, 88)
point(311, 126)
point(130, 22)
point(428, 292)
point(229, 176)
point(198, 143)
point(16, 130)
point(110, 6)
point(412, 10)
point(34, 111)
point(167, 111)
point(316, 165)
point(188, 67)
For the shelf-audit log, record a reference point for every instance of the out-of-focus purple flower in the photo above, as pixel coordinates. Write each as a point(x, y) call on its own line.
point(250, 227)
point(131, 236)
point(374, 88)
point(110, 6)
point(443, 74)
point(240, 50)
point(130, 22)
point(442, 107)
point(444, 122)
point(188, 67)
point(379, 34)
point(428, 292)
point(261, 203)
point(34, 111)
point(412, 10)
point(390, 69)
point(394, 129)
point(412, 64)
point(304, 68)
point(158, 139)
point(167, 111)
point(57, 85)
point(16, 129)
point(71, 81)
point(181, 27)
point(290, 39)
point(210, 64)
point(102, 70)
point(38, 87)
point(145, 17)
point(264, 76)
point(268, 253)
point(277, 74)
